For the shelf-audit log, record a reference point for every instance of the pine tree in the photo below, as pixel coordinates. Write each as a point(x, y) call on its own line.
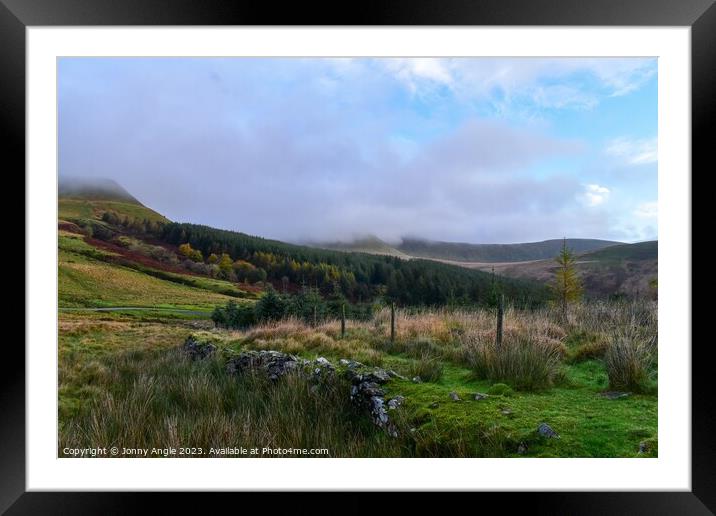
point(567, 286)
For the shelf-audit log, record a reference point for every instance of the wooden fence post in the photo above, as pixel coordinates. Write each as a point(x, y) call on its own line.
point(500, 316)
point(392, 322)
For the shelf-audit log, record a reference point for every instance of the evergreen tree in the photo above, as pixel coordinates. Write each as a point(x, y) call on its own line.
point(271, 306)
point(566, 286)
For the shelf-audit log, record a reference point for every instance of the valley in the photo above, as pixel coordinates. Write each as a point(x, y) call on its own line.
point(134, 289)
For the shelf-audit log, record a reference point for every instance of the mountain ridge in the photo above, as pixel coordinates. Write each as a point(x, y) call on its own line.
point(93, 189)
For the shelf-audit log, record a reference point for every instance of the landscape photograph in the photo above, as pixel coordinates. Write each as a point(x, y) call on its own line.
point(357, 257)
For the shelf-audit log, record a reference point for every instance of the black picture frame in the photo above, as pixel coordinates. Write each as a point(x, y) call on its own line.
point(17, 15)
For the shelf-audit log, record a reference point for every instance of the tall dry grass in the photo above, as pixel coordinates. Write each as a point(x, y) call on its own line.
point(632, 351)
point(524, 361)
point(531, 354)
point(184, 403)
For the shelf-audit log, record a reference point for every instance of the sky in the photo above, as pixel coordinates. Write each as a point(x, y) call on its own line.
point(480, 150)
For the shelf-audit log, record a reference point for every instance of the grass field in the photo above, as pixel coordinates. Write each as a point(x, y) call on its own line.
point(112, 365)
point(85, 280)
point(74, 209)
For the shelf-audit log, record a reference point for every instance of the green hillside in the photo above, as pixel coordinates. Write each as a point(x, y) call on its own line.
point(463, 252)
point(74, 210)
point(91, 278)
point(86, 199)
point(357, 276)
point(639, 251)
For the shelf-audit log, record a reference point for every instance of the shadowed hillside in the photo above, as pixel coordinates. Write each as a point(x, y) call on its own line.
point(620, 270)
point(462, 252)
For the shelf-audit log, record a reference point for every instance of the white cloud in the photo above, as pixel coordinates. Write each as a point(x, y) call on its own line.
point(415, 70)
point(594, 195)
point(560, 96)
point(633, 151)
point(562, 83)
point(647, 210)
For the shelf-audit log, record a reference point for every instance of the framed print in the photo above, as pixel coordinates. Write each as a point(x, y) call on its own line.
point(440, 249)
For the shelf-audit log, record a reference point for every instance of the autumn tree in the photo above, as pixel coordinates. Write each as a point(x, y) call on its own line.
point(566, 286)
point(225, 265)
point(193, 254)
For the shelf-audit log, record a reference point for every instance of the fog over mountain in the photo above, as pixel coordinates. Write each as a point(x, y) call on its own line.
point(463, 150)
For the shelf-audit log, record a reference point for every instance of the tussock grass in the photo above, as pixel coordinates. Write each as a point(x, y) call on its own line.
point(181, 403)
point(629, 360)
point(536, 344)
point(524, 361)
point(427, 367)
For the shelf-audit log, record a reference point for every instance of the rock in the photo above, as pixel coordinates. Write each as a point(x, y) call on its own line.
point(370, 389)
point(198, 350)
point(506, 412)
point(377, 375)
point(614, 395)
point(434, 404)
point(453, 396)
point(643, 447)
point(522, 448)
point(367, 394)
point(393, 374)
point(354, 376)
point(365, 390)
point(394, 403)
point(380, 415)
point(273, 363)
point(416, 379)
point(546, 431)
point(480, 396)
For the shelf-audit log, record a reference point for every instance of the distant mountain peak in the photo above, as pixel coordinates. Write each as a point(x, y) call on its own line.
point(364, 243)
point(94, 189)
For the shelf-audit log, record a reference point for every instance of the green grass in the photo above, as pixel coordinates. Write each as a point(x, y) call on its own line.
point(114, 364)
point(73, 249)
point(74, 209)
point(589, 425)
point(124, 383)
point(87, 280)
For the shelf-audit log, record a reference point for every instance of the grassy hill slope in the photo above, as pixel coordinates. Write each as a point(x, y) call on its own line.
point(88, 199)
point(625, 269)
point(88, 278)
point(639, 251)
point(463, 252)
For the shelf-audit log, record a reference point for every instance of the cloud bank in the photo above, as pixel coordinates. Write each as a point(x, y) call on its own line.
point(324, 149)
